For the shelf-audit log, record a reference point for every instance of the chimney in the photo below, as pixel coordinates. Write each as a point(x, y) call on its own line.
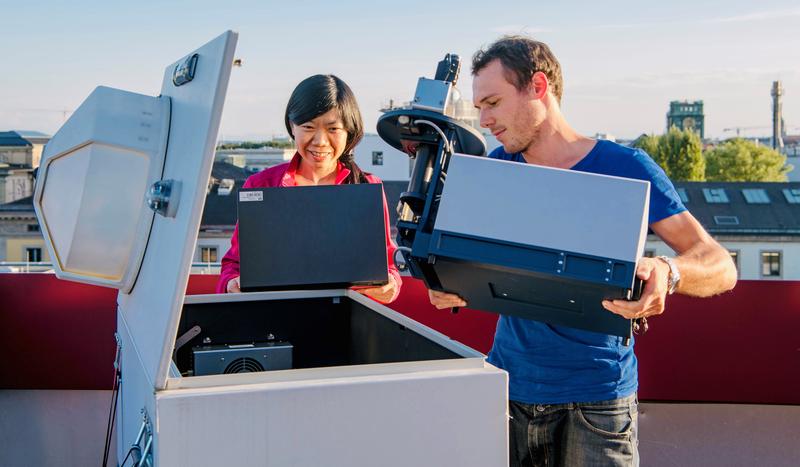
point(777, 117)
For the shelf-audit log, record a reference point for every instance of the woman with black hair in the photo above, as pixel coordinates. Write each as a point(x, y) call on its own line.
point(323, 118)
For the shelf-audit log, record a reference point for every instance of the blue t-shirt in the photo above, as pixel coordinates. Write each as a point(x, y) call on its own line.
point(551, 364)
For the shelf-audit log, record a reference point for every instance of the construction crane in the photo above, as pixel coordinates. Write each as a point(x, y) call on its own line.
point(739, 129)
point(64, 112)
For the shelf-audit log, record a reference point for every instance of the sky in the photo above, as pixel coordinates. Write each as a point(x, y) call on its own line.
point(623, 61)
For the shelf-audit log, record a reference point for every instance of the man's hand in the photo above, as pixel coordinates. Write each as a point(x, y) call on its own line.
point(655, 274)
point(382, 294)
point(233, 285)
point(442, 300)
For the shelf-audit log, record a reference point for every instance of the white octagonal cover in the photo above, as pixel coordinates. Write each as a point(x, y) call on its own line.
point(92, 184)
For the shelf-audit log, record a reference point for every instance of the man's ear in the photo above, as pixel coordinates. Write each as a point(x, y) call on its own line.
point(539, 85)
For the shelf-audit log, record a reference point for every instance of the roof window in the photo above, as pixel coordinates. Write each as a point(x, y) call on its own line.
point(755, 196)
point(715, 195)
point(792, 195)
point(726, 220)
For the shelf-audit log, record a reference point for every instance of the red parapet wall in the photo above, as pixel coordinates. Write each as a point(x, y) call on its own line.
point(743, 346)
point(55, 334)
point(738, 347)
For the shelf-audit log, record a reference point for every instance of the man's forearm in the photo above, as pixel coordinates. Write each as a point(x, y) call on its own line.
point(706, 269)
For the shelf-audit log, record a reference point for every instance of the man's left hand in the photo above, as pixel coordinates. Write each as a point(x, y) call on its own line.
point(655, 274)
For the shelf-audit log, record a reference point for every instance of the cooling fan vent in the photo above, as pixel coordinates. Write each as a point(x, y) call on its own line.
point(242, 358)
point(244, 365)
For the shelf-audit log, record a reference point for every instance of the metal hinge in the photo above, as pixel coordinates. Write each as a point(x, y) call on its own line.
point(164, 197)
point(118, 351)
point(141, 449)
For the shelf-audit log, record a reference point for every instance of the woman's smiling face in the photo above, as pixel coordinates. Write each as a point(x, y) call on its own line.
point(321, 140)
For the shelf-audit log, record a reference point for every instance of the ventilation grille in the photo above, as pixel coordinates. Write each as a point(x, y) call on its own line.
point(244, 365)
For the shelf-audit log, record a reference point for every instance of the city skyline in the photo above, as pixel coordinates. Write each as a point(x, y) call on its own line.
point(622, 62)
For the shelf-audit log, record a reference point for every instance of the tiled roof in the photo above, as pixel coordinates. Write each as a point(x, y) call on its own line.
point(12, 138)
point(223, 170)
point(737, 216)
point(30, 134)
point(22, 204)
point(220, 210)
point(791, 139)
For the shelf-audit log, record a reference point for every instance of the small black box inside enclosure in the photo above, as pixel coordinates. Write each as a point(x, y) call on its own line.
point(242, 358)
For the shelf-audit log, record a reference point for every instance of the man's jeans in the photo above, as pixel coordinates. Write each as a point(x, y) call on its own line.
point(575, 434)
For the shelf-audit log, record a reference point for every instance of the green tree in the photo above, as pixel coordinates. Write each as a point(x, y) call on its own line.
point(257, 145)
point(679, 153)
point(739, 160)
point(648, 143)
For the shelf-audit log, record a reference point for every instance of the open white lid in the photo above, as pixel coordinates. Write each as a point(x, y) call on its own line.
point(91, 185)
point(119, 155)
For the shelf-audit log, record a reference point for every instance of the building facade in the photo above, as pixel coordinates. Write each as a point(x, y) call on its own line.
point(759, 224)
point(791, 147)
point(376, 156)
point(687, 115)
point(20, 236)
point(20, 154)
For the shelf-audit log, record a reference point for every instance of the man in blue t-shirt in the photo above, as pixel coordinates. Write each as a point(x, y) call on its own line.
point(573, 393)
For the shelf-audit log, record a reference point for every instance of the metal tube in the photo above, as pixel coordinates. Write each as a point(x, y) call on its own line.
point(145, 452)
point(420, 178)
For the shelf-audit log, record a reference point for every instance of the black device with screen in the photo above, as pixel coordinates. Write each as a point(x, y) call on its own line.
point(312, 237)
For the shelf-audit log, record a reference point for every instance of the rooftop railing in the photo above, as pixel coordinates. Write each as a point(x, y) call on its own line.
point(41, 266)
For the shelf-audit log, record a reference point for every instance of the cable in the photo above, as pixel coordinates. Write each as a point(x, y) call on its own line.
point(401, 266)
point(447, 146)
point(112, 415)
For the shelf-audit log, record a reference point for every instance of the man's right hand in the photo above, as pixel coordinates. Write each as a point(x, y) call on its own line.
point(233, 285)
point(442, 300)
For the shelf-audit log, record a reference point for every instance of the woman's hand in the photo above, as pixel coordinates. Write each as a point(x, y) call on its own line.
point(382, 294)
point(233, 285)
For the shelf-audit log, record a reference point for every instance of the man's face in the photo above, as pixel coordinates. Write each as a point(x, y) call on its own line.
point(512, 116)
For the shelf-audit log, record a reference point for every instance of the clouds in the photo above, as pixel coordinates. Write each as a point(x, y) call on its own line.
point(625, 57)
point(692, 78)
point(653, 21)
point(756, 16)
